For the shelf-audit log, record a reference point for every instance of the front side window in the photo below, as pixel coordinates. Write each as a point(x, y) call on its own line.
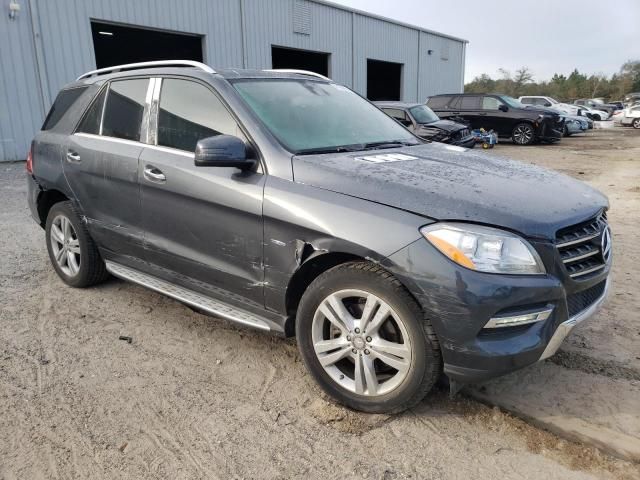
point(190, 112)
point(310, 116)
point(490, 103)
point(512, 102)
point(528, 101)
point(124, 108)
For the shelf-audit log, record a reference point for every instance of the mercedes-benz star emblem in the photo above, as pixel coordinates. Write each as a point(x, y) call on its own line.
point(605, 243)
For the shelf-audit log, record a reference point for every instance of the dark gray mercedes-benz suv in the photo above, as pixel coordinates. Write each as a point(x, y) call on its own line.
point(284, 201)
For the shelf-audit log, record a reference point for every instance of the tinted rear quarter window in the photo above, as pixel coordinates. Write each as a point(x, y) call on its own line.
point(439, 102)
point(90, 123)
point(63, 102)
point(124, 109)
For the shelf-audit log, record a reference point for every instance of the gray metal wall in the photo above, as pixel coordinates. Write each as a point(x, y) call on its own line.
point(50, 44)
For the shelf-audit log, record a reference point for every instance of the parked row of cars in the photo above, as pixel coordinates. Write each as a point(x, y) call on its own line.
point(452, 118)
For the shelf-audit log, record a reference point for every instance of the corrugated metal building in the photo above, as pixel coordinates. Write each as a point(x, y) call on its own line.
point(45, 44)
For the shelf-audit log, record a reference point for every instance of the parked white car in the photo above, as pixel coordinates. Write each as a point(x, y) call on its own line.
point(597, 115)
point(540, 101)
point(631, 117)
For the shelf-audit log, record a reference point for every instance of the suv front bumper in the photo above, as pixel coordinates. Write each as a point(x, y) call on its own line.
point(460, 302)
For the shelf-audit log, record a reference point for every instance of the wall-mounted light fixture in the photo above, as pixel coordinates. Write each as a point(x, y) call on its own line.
point(429, 52)
point(108, 34)
point(14, 8)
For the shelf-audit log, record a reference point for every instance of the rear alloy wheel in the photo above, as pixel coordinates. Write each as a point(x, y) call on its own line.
point(524, 134)
point(636, 123)
point(73, 254)
point(365, 340)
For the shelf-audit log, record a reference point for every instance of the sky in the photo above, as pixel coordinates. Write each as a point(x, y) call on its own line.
point(548, 36)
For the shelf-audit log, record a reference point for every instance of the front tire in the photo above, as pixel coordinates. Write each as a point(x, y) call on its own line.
point(366, 341)
point(636, 123)
point(73, 254)
point(523, 134)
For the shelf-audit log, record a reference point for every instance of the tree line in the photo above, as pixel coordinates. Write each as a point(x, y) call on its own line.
point(561, 87)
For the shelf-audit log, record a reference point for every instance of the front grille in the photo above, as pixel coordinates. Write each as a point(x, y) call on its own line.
point(585, 248)
point(577, 302)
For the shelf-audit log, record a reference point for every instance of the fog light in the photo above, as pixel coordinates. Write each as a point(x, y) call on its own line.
point(522, 319)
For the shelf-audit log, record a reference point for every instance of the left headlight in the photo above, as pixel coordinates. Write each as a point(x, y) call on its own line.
point(483, 248)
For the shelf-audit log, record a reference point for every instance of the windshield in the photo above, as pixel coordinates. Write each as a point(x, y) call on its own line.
point(308, 116)
point(512, 102)
point(423, 114)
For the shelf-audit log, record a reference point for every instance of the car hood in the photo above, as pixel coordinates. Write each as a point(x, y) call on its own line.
point(445, 182)
point(446, 125)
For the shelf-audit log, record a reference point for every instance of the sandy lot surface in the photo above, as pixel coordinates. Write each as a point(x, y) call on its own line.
point(195, 397)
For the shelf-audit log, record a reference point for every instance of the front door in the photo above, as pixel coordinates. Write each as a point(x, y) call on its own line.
point(203, 225)
point(101, 165)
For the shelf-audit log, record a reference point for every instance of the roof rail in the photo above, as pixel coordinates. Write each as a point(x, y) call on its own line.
point(299, 72)
point(157, 63)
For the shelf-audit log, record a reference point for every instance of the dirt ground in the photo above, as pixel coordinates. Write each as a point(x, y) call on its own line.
point(196, 397)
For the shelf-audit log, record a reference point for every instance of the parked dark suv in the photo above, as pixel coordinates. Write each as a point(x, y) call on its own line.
point(502, 114)
point(286, 202)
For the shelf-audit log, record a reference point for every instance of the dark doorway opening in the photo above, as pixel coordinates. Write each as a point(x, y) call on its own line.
point(383, 80)
point(300, 59)
point(117, 44)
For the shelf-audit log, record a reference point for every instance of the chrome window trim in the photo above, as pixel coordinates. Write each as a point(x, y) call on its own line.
point(104, 107)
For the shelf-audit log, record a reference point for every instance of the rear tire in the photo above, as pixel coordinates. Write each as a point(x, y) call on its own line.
point(523, 134)
point(636, 123)
point(72, 251)
point(349, 352)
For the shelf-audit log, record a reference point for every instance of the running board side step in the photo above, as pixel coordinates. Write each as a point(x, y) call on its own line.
point(187, 296)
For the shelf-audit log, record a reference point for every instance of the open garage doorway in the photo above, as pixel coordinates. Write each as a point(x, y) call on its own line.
point(118, 44)
point(384, 80)
point(282, 57)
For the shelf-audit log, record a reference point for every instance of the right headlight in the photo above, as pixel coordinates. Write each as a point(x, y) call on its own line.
point(484, 249)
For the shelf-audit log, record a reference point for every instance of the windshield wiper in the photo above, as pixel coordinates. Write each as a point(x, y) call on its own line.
point(319, 151)
point(387, 144)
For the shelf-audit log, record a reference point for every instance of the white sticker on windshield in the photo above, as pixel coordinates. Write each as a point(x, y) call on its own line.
point(386, 158)
point(453, 148)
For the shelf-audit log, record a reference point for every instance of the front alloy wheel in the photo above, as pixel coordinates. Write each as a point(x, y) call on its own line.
point(366, 340)
point(361, 342)
point(523, 134)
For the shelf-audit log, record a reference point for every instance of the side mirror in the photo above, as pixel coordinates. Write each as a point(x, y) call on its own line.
point(503, 108)
point(547, 104)
point(222, 151)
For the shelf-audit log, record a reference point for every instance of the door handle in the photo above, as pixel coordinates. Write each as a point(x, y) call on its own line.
point(73, 157)
point(154, 175)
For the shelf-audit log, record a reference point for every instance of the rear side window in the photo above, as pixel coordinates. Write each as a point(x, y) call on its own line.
point(124, 108)
point(470, 102)
point(190, 112)
point(63, 102)
point(439, 102)
point(527, 100)
point(90, 123)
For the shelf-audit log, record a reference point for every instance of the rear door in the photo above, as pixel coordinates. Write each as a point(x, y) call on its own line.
point(101, 165)
point(203, 225)
point(467, 110)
